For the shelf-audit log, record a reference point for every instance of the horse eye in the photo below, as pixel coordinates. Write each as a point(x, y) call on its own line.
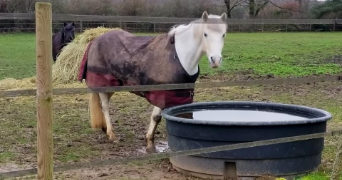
point(224, 35)
point(205, 35)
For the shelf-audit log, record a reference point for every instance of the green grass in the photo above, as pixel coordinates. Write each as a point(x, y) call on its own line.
point(6, 156)
point(17, 55)
point(280, 54)
point(316, 176)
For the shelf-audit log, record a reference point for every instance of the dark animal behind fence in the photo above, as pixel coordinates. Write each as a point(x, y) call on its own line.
point(62, 38)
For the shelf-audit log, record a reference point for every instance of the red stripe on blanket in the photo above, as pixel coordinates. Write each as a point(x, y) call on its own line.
point(83, 67)
point(162, 99)
point(166, 99)
point(94, 80)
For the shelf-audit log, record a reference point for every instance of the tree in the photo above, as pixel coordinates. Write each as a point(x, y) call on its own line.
point(231, 4)
point(3, 6)
point(132, 7)
point(329, 9)
point(19, 6)
point(287, 9)
point(255, 6)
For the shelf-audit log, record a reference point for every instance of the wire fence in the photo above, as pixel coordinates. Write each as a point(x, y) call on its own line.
point(278, 81)
point(44, 92)
point(158, 156)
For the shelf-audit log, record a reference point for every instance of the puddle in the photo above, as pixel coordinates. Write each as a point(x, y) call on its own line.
point(161, 146)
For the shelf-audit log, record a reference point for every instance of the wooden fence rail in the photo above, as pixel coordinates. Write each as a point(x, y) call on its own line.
point(22, 21)
point(277, 81)
point(97, 18)
point(44, 17)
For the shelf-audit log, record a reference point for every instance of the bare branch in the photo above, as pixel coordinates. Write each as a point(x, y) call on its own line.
point(283, 7)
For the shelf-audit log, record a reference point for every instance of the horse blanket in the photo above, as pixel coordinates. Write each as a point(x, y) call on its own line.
point(119, 58)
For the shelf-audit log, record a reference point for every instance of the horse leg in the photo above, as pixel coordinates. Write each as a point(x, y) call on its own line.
point(97, 119)
point(155, 120)
point(105, 97)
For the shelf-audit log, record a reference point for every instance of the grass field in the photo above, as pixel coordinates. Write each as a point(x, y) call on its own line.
point(245, 54)
point(255, 54)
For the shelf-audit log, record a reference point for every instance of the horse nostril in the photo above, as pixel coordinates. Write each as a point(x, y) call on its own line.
point(212, 59)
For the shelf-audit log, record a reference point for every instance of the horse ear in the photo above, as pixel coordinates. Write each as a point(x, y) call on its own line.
point(65, 24)
point(224, 16)
point(73, 24)
point(205, 15)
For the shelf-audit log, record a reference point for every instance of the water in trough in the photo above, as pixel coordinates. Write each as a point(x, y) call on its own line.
point(240, 115)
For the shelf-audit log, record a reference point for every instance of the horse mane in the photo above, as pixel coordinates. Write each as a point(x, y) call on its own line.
point(181, 27)
point(177, 28)
point(214, 16)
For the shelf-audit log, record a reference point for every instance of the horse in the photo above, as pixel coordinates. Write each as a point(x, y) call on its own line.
point(62, 38)
point(118, 58)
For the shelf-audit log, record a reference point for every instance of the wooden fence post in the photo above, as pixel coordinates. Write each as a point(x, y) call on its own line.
point(44, 90)
point(81, 26)
point(286, 27)
point(336, 170)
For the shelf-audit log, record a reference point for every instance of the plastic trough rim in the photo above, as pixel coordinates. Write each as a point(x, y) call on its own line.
point(326, 116)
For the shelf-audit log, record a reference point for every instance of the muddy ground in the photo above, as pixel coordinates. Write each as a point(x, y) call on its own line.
point(74, 141)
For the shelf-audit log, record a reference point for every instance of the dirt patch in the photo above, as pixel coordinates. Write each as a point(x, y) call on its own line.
point(14, 167)
point(243, 75)
point(74, 141)
point(152, 171)
point(160, 171)
point(335, 59)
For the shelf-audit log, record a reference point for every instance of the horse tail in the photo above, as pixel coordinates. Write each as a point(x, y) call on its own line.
point(97, 119)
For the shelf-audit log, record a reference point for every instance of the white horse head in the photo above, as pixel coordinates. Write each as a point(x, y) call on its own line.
point(202, 36)
point(213, 33)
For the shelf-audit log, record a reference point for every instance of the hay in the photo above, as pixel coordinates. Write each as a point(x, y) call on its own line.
point(66, 68)
point(30, 83)
point(17, 84)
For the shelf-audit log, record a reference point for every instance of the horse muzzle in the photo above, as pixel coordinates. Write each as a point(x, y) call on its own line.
point(215, 61)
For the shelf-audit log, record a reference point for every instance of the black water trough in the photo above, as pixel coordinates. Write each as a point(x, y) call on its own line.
point(210, 124)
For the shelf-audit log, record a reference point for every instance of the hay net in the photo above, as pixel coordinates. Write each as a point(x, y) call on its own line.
point(66, 68)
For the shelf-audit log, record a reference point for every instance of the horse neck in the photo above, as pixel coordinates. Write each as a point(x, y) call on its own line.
point(62, 35)
point(188, 49)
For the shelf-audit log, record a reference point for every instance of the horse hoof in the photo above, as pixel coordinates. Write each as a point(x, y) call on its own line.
point(113, 138)
point(151, 149)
